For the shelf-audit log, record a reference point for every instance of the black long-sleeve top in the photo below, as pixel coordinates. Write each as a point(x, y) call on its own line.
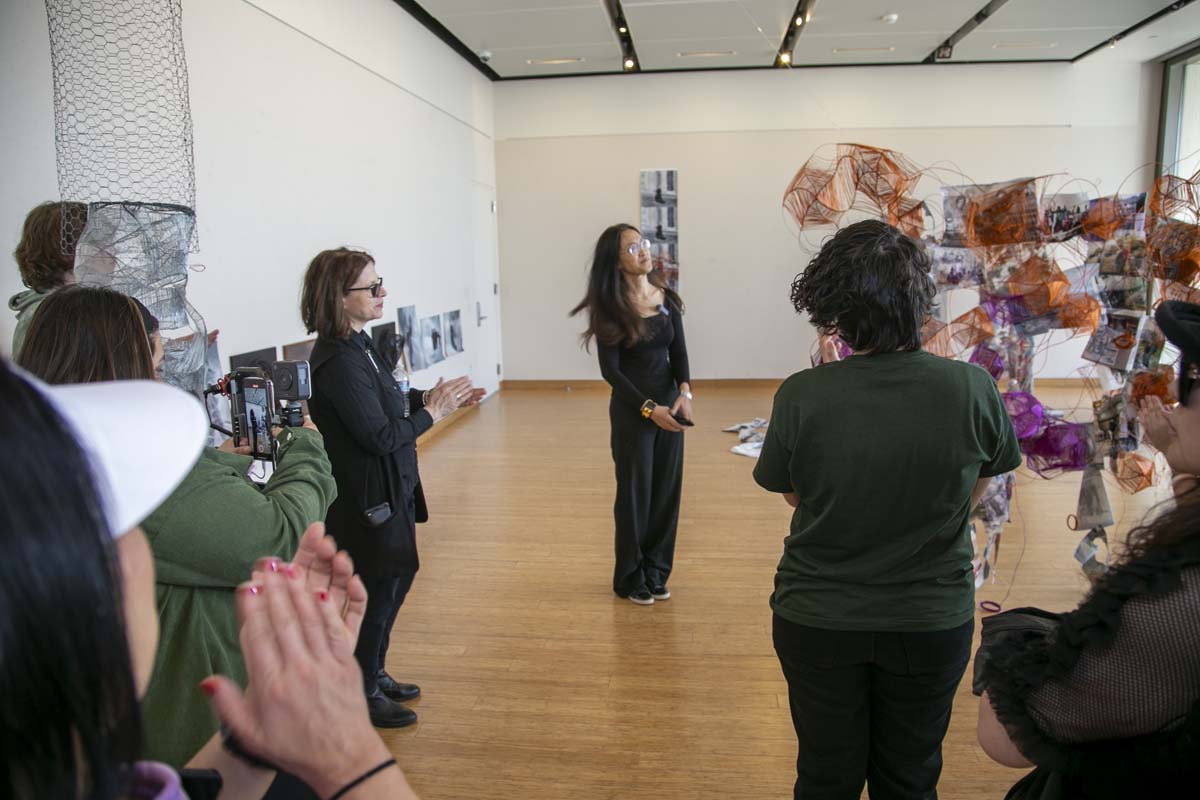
point(653, 368)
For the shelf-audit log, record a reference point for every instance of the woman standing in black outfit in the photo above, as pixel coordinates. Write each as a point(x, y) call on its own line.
point(637, 322)
point(370, 429)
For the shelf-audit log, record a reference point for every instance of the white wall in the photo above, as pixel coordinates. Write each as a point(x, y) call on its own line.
point(569, 152)
point(317, 123)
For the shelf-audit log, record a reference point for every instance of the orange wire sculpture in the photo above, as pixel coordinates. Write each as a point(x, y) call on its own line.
point(860, 177)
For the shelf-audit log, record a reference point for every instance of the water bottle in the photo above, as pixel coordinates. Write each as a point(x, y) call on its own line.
point(401, 376)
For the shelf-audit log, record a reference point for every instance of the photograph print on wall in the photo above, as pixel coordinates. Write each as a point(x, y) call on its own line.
point(659, 219)
point(454, 333)
point(430, 344)
point(263, 359)
point(410, 332)
point(385, 339)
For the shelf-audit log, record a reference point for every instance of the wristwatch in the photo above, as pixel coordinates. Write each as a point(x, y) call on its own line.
point(648, 408)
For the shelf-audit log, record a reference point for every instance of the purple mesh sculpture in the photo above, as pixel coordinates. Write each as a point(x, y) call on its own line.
point(1061, 447)
point(989, 359)
point(1026, 413)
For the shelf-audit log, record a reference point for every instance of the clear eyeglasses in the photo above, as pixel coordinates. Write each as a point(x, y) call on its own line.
point(635, 248)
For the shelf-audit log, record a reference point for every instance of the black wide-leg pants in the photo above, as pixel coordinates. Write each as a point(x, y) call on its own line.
point(870, 708)
point(649, 470)
point(385, 595)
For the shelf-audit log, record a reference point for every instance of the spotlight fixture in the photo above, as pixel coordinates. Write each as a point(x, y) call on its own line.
point(630, 63)
point(944, 52)
point(622, 29)
point(801, 17)
point(890, 19)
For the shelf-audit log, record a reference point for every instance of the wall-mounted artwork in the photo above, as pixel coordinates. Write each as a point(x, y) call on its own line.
point(660, 220)
point(298, 351)
point(454, 333)
point(410, 331)
point(430, 343)
point(386, 342)
point(263, 359)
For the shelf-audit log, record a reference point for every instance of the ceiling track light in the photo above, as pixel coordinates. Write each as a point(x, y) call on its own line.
point(801, 17)
point(616, 15)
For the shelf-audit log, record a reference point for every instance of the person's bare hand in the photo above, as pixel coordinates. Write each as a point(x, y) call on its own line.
point(228, 446)
point(303, 709)
point(308, 423)
point(445, 397)
point(661, 416)
point(1156, 420)
point(830, 350)
point(682, 407)
point(473, 397)
point(325, 567)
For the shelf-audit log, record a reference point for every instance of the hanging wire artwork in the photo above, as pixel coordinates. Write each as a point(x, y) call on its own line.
point(123, 134)
point(1044, 255)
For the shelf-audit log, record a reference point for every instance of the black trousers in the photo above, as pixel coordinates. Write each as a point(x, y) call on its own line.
point(649, 468)
point(384, 598)
point(870, 707)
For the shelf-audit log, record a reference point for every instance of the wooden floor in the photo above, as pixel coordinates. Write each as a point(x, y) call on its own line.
point(539, 683)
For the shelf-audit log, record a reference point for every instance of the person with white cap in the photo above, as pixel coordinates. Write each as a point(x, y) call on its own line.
point(206, 535)
point(78, 623)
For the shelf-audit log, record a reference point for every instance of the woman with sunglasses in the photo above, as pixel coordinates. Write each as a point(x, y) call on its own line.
point(371, 429)
point(637, 322)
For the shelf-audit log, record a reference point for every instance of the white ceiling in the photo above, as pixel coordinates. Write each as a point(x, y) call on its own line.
point(701, 34)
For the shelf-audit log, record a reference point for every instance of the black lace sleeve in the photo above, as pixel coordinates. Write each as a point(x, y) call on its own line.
point(1112, 699)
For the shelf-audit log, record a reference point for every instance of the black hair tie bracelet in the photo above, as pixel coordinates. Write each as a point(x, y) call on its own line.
point(362, 778)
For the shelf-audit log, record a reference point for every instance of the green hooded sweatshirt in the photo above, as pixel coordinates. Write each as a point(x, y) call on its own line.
point(24, 303)
point(205, 539)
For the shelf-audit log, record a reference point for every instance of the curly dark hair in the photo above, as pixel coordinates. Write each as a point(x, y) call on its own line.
point(870, 285)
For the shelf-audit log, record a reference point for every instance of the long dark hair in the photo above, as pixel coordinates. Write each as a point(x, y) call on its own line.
point(67, 696)
point(1177, 525)
point(870, 285)
point(82, 334)
point(612, 319)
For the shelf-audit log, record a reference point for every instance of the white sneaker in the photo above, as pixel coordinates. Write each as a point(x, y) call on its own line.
point(642, 598)
point(663, 593)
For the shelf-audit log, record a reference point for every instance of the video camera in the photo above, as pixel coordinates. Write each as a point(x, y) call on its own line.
point(255, 401)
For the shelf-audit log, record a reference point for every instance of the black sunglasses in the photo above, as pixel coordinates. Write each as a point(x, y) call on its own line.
point(373, 288)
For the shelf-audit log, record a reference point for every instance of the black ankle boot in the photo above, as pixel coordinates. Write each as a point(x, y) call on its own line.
point(386, 713)
point(400, 692)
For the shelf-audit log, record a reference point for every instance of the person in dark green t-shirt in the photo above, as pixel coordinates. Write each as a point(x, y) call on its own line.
point(882, 455)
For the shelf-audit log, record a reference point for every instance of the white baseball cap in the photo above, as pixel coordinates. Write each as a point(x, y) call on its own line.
point(142, 439)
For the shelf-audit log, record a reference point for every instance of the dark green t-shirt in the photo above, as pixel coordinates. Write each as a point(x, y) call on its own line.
point(883, 452)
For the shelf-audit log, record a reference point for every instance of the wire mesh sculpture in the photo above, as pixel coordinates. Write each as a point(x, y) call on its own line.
point(122, 119)
point(140, 249)
point(859, 177)
point(123, 134)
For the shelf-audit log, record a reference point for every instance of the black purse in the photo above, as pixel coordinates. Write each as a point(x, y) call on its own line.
point(380, 515)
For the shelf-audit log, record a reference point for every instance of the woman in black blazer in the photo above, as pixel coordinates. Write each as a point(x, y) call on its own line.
point(370, 429)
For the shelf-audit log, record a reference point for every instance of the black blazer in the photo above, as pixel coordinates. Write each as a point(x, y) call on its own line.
point(372, 448)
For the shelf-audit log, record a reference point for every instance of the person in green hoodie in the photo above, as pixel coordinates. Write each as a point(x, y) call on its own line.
point(207, 536)
point(46, 258)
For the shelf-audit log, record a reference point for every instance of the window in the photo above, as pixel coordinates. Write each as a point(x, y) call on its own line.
point(1179, 128)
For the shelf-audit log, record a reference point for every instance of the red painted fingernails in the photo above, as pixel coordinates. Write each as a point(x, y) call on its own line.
point(273, 565)
point(323, 595)
point(208, 686)
point(252, 589)
point(290, 571)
